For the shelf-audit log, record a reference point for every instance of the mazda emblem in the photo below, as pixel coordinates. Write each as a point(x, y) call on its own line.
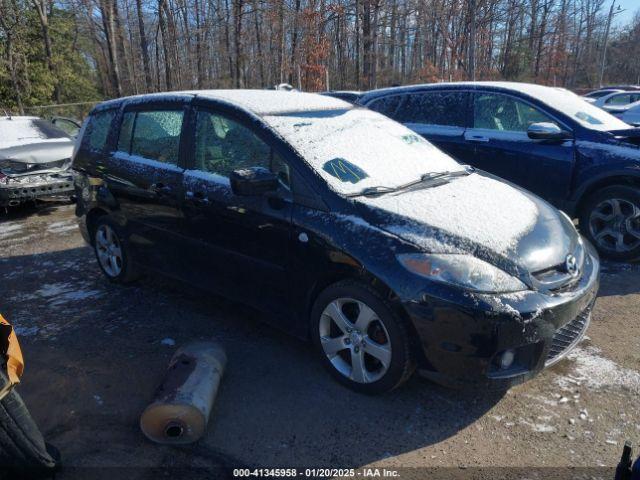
point(571, 265)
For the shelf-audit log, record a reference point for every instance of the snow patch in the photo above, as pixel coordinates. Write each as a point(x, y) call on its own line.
point(597, 372)
point(474, 207)
point(9, 229)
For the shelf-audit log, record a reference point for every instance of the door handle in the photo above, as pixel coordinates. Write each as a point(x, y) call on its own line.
point(160, 188)
point(477, 138)
point(197, 198)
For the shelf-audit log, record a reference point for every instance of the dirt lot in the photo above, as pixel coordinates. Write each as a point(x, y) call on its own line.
point(95, 353)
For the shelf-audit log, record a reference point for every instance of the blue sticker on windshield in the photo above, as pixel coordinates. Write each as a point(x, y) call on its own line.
point(344, 171)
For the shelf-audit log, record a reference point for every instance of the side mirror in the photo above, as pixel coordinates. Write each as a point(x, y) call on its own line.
point(547, 131)
point(253, 181)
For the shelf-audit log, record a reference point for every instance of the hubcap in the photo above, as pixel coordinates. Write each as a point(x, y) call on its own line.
point(615, 225)
point(109, 250)
point(355, 340)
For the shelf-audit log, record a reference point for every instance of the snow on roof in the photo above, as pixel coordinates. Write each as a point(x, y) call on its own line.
point(560, 99)
point(261, 102)
point(265, 102)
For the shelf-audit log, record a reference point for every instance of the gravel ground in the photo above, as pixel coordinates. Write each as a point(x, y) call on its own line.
point(95, 353)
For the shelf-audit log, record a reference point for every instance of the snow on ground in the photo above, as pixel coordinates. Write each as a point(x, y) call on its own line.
point(10, 229)
point(63, 226)
point(597, 372)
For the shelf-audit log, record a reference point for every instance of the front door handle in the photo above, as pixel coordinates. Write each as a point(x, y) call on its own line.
point(160, 188)
point(197, 198)
point(477, 138)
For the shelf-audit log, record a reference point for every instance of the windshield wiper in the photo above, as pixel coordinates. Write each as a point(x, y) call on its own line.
point(372, 191)
point(427, 177)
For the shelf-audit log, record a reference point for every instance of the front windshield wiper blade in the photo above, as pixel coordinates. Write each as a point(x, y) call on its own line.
point(427, 177)
point(372, 191)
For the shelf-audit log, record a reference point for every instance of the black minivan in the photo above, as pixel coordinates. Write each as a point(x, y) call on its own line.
point(343, 226)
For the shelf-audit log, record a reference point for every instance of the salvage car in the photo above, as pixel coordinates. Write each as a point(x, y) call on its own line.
point(547, 140)
point(35, 161)
point(343, 226)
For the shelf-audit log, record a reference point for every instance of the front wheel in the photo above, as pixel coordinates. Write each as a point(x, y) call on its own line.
point(610, 219)
point(361, 340)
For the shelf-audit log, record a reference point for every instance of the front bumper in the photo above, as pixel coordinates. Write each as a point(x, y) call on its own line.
point(462, 341)
point(30, 187)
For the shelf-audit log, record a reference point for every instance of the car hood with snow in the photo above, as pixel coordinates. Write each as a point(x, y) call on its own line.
point(476, 214)
point(369, 158)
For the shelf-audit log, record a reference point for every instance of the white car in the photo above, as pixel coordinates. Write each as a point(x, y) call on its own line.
point(616, 101)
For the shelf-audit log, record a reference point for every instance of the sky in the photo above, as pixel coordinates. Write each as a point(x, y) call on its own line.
point(630, 7)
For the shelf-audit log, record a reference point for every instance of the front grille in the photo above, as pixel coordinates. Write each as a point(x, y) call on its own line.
point(567, 336)
point(556, 278)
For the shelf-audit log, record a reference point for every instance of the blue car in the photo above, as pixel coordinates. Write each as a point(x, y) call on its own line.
point(548, 140)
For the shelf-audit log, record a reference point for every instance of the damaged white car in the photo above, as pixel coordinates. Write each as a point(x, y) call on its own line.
point(35, 160)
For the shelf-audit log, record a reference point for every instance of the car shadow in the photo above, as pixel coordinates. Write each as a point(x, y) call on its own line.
point(619, 278)
point(27, 209)
point(96, 351)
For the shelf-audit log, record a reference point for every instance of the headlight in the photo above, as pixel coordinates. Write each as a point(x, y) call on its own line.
point(462, 270)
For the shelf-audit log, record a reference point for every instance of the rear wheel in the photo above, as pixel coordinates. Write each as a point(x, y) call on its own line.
point(361, 340)
point(112, 252)
point(610, 219)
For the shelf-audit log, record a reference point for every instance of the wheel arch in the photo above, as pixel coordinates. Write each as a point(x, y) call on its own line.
point(625, 180)
point(342, 272)
point(92, 218)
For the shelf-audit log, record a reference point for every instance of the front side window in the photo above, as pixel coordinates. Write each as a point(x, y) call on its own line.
point(156, 135)
point(503, 113)
point(98, 129)
point(223, 146)
point(434, 108)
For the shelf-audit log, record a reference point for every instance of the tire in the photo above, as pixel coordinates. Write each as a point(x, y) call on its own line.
point(371, 334)
point(23, 451)
point(610, 219)
point(112, 251)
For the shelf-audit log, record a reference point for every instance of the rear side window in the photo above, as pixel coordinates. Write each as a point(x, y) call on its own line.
point(98, 129)
point(434, 108)
point(156, 135)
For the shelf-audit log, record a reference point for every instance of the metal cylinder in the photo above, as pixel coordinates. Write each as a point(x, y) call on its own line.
point(180, 411)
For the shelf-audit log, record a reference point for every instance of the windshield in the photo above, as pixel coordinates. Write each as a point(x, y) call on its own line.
point(356, 148)
point(18, 131)
point(580, 110)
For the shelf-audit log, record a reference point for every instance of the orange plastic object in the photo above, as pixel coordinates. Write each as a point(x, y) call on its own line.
point(10, 348)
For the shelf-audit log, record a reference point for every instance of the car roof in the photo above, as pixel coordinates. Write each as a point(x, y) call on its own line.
point(14, 118)
point(530, 89)
point(259, 102)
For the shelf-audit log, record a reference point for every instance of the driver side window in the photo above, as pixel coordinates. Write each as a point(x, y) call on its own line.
point(504, 113)
point(223, 146)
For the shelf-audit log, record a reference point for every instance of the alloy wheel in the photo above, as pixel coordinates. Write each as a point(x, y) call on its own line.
point(355, 340)
point(614, 224)
point(109, 250)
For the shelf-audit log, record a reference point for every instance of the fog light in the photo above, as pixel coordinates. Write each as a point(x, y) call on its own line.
point(507, 358)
